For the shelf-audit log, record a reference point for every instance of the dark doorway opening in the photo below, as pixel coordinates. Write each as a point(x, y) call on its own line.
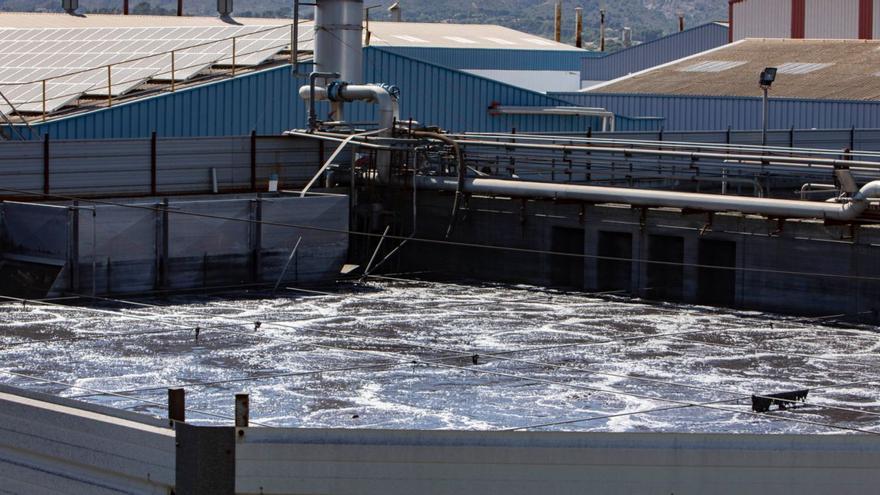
point(716, 286)
point(614, 275)
point(665, 279)
point(567, 271)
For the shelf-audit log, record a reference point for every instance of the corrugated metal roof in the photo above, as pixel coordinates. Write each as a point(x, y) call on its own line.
point(706, 113)
point(489, 58)
point(412, 34)
point(30, 20)
point(447, 35)
point(817, 69)
point(267, 102)
point(653, 53)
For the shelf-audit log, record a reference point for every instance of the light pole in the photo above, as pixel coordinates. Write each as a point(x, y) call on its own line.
point(767, 78)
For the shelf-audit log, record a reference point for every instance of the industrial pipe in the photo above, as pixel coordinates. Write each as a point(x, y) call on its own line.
point(839, 211)
point(385, 97)
point(313, 113)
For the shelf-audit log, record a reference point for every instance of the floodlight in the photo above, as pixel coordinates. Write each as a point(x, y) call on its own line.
point(768, 76)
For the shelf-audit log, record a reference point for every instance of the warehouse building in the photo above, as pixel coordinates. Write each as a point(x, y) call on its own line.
point(809, 19)
point(830, 84)
point(200, 76)
point(637, 58)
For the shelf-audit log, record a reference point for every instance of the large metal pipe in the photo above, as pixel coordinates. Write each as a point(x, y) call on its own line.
point(839, 211)
point(338, 38)
point(385, 98)
point(579, 27)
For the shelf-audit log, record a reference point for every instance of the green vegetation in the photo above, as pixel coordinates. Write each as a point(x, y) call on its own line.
point(649, 19)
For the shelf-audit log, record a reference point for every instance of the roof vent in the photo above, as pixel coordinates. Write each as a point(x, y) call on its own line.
point(70, 6)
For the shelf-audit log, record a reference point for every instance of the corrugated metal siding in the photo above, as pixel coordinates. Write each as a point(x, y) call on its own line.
point(761, 19)
point(875, 21)
point(502, 59)
point(262, 101)
point(705, 113)
point(654, 53)
point(459, 101)
point(267, 102)
point(832, 19)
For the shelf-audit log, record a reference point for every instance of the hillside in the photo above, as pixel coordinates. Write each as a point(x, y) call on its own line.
point(648, 18)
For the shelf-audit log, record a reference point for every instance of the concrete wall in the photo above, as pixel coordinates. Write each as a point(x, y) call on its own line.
point(799, 267)
point(199, 242)
point(286, 461)
point(57, 446)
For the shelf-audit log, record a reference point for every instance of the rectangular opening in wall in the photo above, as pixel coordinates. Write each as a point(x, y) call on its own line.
point(614, 275)
point(665, 281)
point(567, 271)
point(716, 286)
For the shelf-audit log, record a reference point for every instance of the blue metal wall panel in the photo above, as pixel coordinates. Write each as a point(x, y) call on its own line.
point(708, 113)
point(267, 102)
point(459, 101)
point(654, 53)
point(487, 58)
point(262, 101)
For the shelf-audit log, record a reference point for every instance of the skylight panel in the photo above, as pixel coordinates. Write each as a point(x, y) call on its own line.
point(412, 39)
point(538, 41)
point(713, 66)
point(800, 68)
point(459, 39)
point(500, 41)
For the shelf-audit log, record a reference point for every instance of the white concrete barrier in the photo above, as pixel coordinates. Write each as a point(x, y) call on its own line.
point(50, 445)
point(340, 462)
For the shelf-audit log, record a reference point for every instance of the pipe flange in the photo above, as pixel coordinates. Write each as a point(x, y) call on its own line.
point(334, 90)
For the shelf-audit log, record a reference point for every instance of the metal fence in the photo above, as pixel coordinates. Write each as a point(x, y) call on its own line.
point(155, 166)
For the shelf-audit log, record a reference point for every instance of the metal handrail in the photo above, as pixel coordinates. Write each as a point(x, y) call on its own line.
point(172, 53)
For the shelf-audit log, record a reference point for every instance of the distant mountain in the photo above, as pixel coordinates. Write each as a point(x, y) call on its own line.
point(648, 19)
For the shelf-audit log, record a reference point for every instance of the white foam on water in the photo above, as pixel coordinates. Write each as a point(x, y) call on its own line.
point(564, 363)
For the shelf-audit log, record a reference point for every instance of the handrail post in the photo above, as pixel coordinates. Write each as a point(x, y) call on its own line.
point(172, 71)
point(109, 86)
point(44, 100)
point(233, 55)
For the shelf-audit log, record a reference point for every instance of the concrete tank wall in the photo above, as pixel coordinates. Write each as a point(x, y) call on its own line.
point(182, 243)
point(800, 267)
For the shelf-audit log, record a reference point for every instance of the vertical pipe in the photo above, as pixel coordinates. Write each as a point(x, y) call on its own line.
point(602, 30)
point(172, 70)
point(94, 251)
point(179, 8)
point(579, 27)
point(233, 55)
point(176, 405)
point(294, 39)
point(242, 410)
point(680, 22)
point(254, 161)
point(124, 7)
point(558, 21)
point(154, 172)
point(46, 163)
point(766, 114)
point(109, 86)
point(44, 100)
